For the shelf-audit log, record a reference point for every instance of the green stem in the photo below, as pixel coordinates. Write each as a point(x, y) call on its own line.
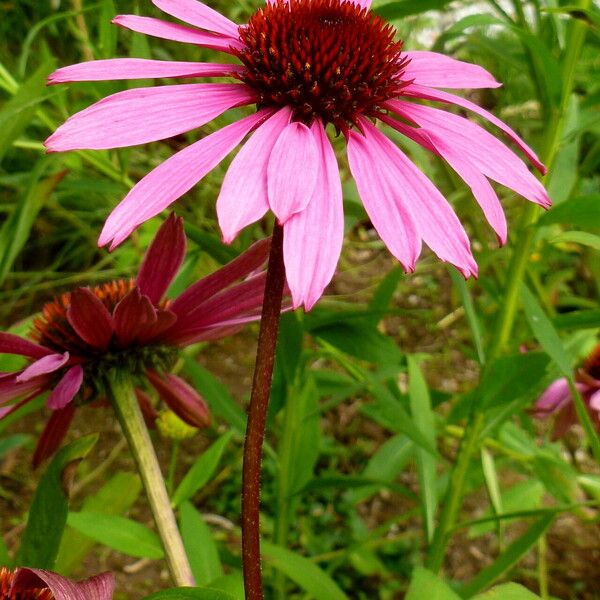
point(503, 330)
point(456, 486)
point(135, 431)
point(173, 465)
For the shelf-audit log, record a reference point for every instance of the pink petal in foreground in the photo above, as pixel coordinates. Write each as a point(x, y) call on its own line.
point(163, 259)
point(44, 366)
point(437, 70)
point(14, 344)
point(292, 171)
point(556, 395)
point(313, 239)
point(482, 190)
point(477, 146)
point(143, 115)
point(243, 198)
point(419, 91)
point(386, 201)
point(436, 221)
point(138, 68)
point(178, 33)
point(54, 433)
point(173, 178)
point(196, 13)
point(66, 389)
point(11, 388)
point(181, 398)
point(100, 587)
point(90, 318)
point(203, 290)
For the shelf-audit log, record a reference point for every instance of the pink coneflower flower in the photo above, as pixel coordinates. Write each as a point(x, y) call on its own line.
point(305, 64)
point(37, 584)
point(557, 399)
point(82, 335)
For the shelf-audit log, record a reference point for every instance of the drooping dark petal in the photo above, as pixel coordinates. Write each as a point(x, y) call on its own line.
point(13, 344)
point(54, 433)
point(232, 303)
point(181, 398)
point(163, 259)
point(66, 389)
point(132, 315)
point(100, 587)
point(238, 268)
point(11, 388)
point(90, 318)
point(154, 332)
point(44, 366)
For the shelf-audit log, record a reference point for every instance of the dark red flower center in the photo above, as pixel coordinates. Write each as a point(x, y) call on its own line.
point(6, 580)
point(326, 59)
point(53, 330)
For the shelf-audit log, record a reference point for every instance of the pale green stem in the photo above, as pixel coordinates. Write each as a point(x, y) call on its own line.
point(135, 431)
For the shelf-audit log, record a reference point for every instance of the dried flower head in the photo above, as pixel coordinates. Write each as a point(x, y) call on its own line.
point(81, 336)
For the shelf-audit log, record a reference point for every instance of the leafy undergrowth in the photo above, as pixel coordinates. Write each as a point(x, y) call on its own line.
point(374, 388)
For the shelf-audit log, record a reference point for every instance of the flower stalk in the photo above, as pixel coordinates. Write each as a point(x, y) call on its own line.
point(257, 417)
point(134, 428)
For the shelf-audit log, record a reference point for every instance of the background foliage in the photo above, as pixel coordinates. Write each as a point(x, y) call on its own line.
point(374, 387)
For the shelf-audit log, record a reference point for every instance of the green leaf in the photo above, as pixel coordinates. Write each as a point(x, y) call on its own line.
point(361, 340)
point(116, 497)
point(50, 505)
point(509, 558)
point(424, 584)
point(406, 8)
point(17, 228)
point(544, 332)
point(508, 591)
point(384, 295)
point(467, 301)
point(580, 319)
point(190, 594)
point(4, 555)
point(199, 545)
point(219, 398)
point(384, 465)
point(303, 572)
point(424, 418)
point(121, 534)
point(202, 470)
point(578, 237)
point(579, 212)
point(349, 482)
point(17, 113)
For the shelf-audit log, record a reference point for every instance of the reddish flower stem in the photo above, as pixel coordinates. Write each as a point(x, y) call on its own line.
point(257, 417)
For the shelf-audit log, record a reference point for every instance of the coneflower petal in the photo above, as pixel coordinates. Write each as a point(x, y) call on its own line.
point(44, 366)
point(197, 13)
point(173, 178)
point(178, 33)
point(145, 115)
point(66, 389)
point(313, 238)
point(138, 68)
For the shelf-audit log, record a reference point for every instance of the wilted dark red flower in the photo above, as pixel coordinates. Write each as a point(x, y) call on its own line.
point(36, 584)
point(83, 335)
point(557, 399)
